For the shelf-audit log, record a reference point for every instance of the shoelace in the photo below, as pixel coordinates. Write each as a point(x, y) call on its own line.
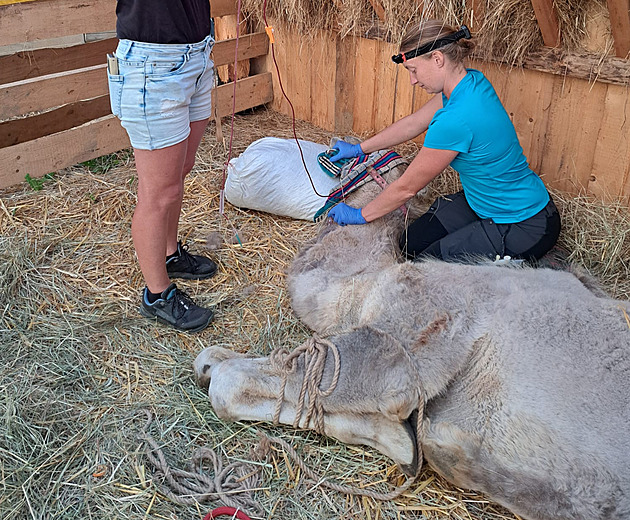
point(182, 303)
point(185, 255)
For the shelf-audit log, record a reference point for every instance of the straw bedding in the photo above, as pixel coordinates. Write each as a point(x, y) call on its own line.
point(80, 366)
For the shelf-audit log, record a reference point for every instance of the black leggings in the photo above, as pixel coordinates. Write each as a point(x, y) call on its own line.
point(451, 230)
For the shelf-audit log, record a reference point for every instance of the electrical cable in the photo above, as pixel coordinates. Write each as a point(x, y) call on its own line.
point(227, 162)
point(269, 30)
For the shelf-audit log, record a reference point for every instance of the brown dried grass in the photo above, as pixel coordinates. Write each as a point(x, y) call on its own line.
point(506, 29)
point(79, 365)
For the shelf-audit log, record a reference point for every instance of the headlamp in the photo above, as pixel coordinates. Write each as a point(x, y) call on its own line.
point(464, 32)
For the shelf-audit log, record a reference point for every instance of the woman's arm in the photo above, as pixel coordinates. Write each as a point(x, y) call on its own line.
point(404, 129)
point(427, 165)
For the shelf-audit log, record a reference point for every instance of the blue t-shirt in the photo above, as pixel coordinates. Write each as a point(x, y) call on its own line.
point(496, 178)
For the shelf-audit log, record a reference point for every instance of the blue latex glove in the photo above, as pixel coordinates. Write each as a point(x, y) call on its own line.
point(343, 215)
point(346, 151)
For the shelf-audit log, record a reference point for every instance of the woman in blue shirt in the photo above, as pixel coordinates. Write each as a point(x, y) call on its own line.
point(504, 208)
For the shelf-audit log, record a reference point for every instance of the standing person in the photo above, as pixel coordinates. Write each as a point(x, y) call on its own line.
point(504, 208)
point(160, 81)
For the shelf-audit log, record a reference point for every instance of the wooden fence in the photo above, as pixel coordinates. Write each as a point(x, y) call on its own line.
point(54, 103)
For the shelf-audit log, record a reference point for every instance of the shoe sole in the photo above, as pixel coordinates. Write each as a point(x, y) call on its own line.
point(189, 276)
point(198, 328)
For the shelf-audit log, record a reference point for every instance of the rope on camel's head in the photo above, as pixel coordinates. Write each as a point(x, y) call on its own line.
point(315, 351)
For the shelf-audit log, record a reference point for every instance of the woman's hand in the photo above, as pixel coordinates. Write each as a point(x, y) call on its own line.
point(346, 151)
point(343, 215)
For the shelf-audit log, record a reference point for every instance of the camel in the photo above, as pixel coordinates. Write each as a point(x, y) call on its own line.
point(510, 381)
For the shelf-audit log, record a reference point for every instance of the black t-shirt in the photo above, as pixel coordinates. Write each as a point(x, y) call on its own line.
point(163, 21)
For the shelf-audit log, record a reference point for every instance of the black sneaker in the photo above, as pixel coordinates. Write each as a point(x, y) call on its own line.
point(190, 267)
point(175, 308)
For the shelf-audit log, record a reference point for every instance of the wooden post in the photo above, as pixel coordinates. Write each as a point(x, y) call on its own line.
point(620, 24)
point(547, 21)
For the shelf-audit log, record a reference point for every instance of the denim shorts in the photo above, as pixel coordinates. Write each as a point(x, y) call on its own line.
point(160, 89)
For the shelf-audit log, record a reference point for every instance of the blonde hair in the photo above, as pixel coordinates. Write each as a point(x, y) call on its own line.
point(430, 30)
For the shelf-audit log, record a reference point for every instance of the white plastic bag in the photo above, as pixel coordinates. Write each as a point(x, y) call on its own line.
point(269, 176)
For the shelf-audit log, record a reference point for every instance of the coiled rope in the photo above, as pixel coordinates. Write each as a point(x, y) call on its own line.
point(232, 484)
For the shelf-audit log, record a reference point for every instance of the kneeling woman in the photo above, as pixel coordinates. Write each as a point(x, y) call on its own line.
point(504, 208)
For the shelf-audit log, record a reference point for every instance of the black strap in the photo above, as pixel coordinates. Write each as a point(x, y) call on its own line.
point(464, 32)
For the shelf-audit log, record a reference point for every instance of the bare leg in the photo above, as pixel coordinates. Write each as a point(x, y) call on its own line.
point(197, 129)
point(161, 175)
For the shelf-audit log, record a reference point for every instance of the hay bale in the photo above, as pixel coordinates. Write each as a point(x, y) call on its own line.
point(506, 30)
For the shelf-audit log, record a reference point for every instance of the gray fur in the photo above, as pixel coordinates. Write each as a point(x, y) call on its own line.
point(526, 372)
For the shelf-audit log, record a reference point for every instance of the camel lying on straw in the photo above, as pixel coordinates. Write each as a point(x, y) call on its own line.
point(514, 382)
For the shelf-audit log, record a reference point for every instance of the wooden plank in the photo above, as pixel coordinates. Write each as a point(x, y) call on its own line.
point(345, 64)
point(588, 66)
point(610, 173)
point(26, 129)
point(224, 28)
point(57, 151)
point(365, 85)
point(31, 21)
point(38, 94)
point(403, 94)
point(298, 73)
point(30, 64)
point(570, 142)
point(249, 46)
point(222, 7)
point(250, 92)
point(383, 91)
point(547, 21)
point(323, 82)
point(280, 49)
point(620, 24)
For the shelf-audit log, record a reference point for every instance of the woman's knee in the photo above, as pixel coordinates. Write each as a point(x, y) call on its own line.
point(166, 196)
point(421, 233)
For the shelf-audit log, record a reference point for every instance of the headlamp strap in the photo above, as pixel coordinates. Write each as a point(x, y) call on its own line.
point(464, 32)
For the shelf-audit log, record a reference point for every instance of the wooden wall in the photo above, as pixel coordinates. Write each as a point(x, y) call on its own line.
point(54, 103)
point(575, 130)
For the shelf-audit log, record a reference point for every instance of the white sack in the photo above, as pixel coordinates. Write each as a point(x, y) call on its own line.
point(269, 176)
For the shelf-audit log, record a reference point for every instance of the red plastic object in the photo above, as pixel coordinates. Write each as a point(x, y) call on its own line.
point(226, 511)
